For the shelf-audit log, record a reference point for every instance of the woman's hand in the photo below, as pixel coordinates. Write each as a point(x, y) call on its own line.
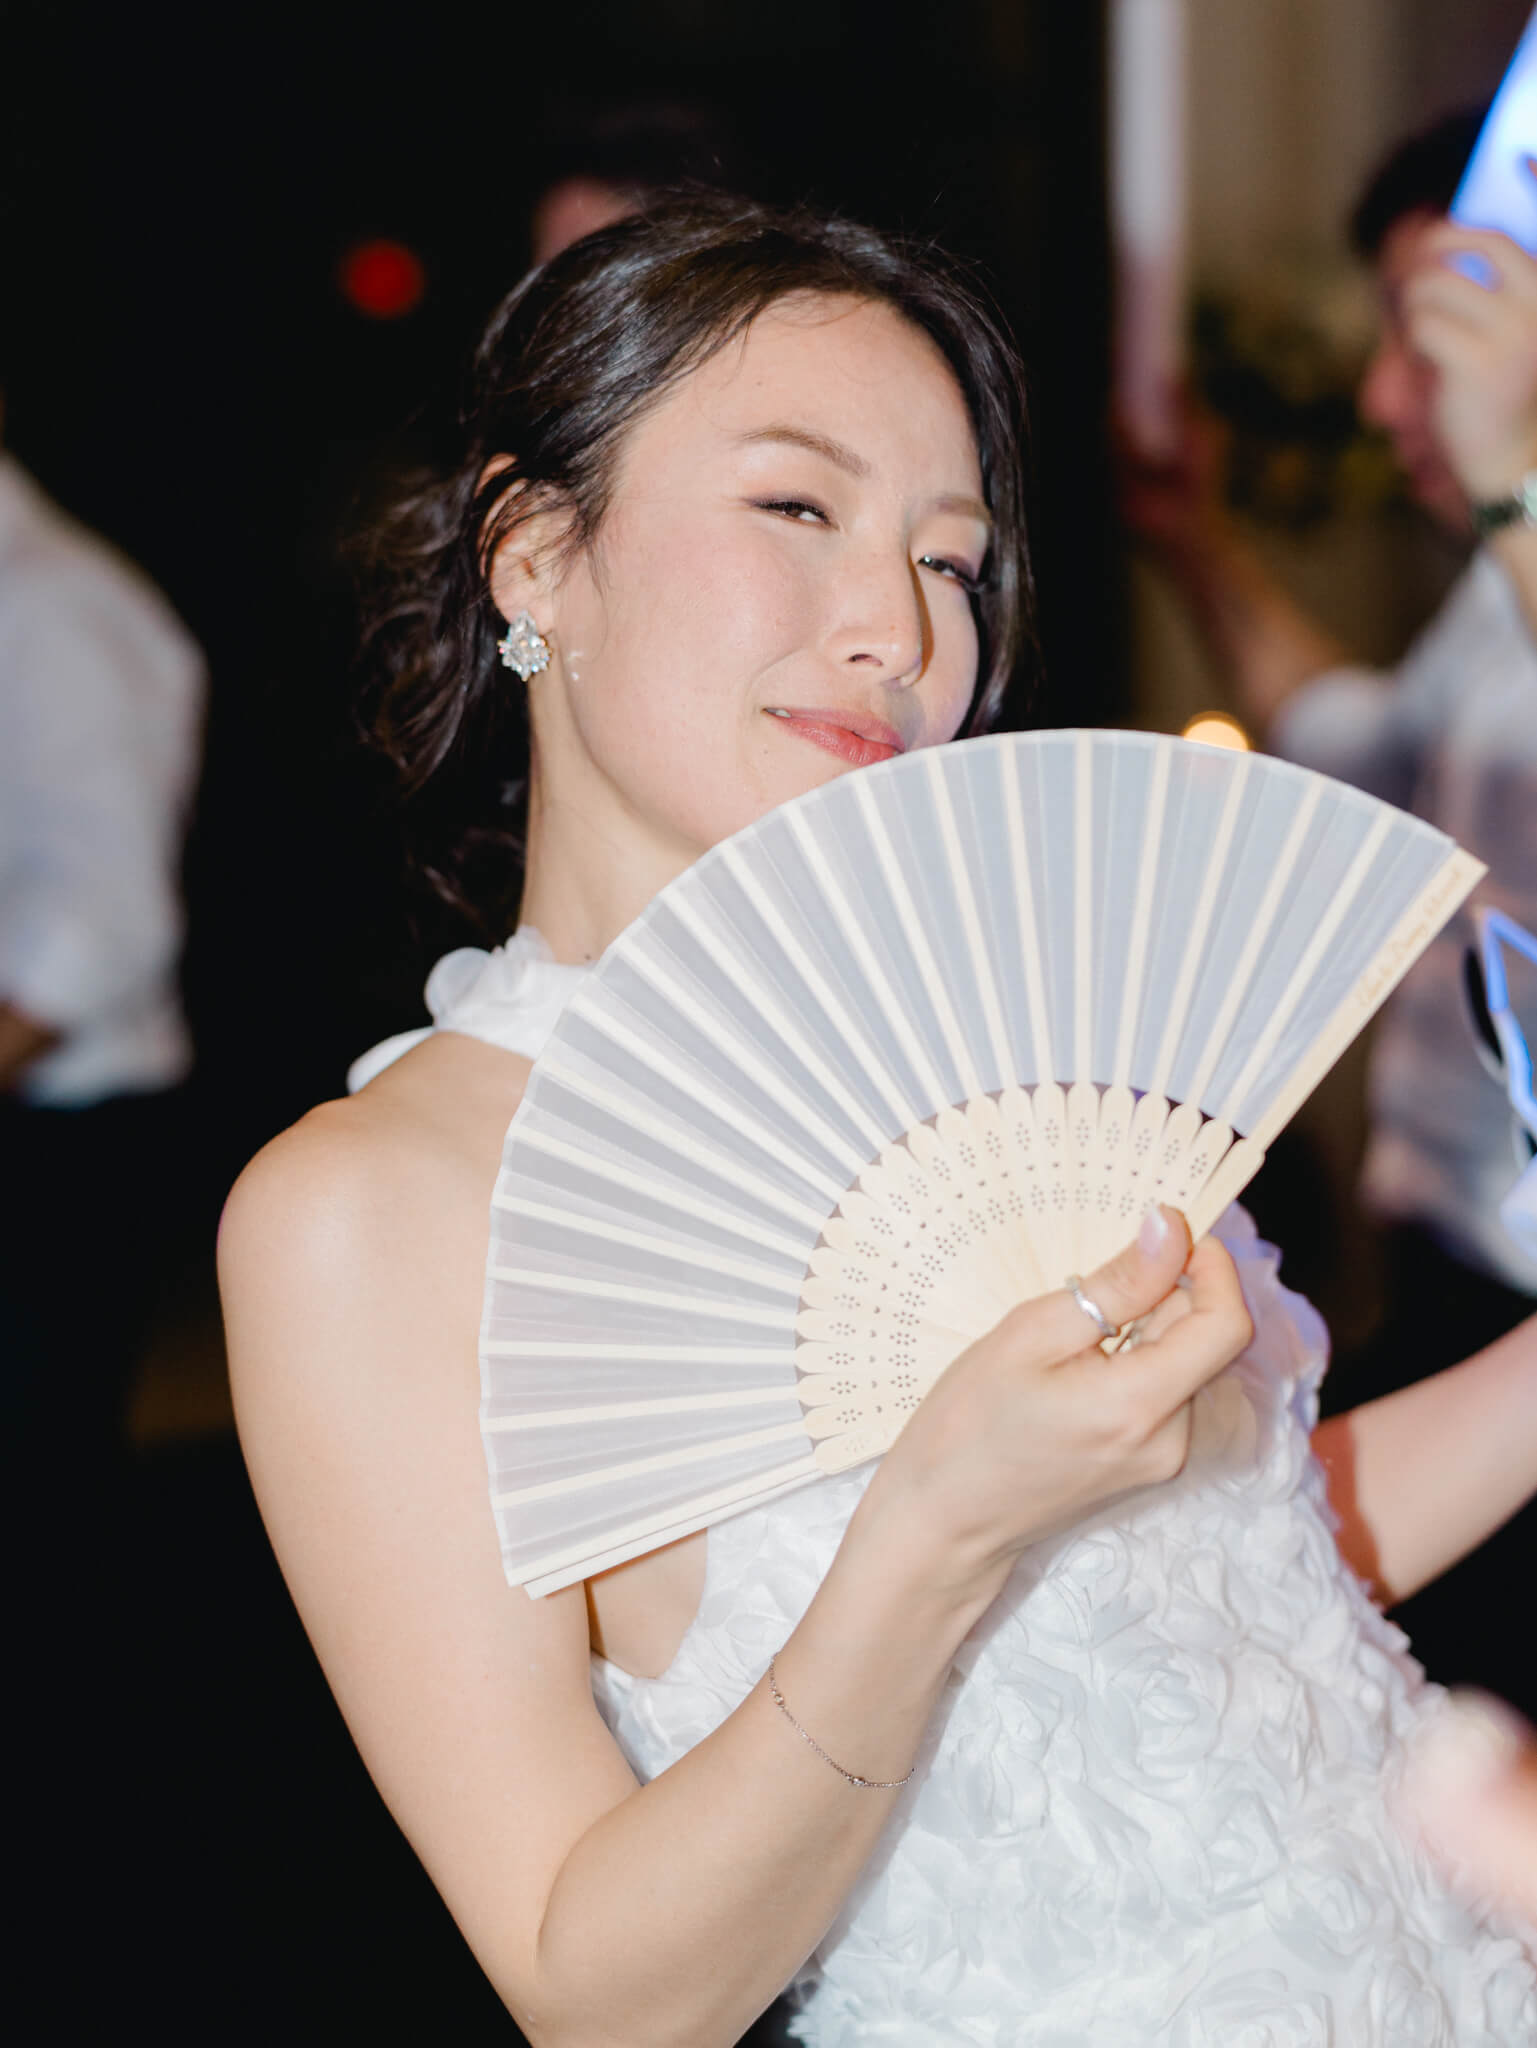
point(1033, 1426)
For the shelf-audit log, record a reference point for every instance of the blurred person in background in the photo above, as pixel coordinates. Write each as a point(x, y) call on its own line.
point(101, 706)
point(603, 162)
point(1452, 733)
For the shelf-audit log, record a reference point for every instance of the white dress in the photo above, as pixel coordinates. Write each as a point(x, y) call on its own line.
point(1152, 1806)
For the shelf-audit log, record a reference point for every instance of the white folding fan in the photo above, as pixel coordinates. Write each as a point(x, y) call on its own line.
point(905, 1052)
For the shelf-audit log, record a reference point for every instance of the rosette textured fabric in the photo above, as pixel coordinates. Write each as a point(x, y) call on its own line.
point(1153, 1808)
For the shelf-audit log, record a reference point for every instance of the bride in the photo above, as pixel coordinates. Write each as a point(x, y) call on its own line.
point(1072, 1721)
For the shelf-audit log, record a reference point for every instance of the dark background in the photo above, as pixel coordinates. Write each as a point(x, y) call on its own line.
point(182, 373)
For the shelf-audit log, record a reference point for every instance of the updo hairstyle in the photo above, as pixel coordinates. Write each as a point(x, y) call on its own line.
point(572, 358)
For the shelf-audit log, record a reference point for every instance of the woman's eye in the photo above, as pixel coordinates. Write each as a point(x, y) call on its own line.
point(972, 585)
point(793, 508)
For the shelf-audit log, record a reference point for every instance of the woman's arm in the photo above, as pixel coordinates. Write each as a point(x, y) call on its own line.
point(603, 1912)
point(1422, 1476)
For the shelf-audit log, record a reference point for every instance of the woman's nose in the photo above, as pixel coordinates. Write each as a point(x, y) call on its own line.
point(883, 624)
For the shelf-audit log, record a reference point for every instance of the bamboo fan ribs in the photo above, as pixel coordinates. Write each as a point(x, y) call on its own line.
point(904, 1053)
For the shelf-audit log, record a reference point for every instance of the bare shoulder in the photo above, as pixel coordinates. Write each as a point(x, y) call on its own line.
point(352, 1262)
point(423, 1129)
point(321, 1189)
point(379, 1203)
point(352, 1258)
point(351, 1267)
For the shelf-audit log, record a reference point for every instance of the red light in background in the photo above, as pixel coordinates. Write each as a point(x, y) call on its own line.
point(382, 279)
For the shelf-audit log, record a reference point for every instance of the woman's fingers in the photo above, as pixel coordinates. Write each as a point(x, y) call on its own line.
point(1034, 1425)
point(1125, 1287)
point(1144, 1395)
point(1163, 1372)
point(1149, 1328)
point(1164, 1450)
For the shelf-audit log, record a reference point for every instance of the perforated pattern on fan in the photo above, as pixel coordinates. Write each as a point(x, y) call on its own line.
point(985, 1206)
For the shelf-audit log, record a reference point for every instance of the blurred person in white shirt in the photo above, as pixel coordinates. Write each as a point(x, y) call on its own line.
point(101, 706)
point(1451, 733)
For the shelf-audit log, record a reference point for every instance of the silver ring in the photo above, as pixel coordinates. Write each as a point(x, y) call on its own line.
point(1091, 1309)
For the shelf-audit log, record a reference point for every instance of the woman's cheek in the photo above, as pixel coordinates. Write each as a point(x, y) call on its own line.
point(956, 660)
point(761, 599)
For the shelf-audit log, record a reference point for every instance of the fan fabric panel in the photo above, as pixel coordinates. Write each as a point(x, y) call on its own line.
point(904, 1052)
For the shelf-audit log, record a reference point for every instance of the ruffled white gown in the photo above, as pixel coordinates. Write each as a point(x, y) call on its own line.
point(1152, 1807)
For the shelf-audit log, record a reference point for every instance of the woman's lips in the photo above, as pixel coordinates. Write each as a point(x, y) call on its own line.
point(858, 740)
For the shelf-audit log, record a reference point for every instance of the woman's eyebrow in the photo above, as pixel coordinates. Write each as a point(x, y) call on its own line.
point(970, 508)
point(846, 459)
point(832, 451)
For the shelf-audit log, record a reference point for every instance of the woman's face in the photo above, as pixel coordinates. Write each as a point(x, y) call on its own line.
point(779, 589)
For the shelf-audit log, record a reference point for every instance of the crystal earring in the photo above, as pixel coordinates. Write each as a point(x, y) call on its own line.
point(524, 647)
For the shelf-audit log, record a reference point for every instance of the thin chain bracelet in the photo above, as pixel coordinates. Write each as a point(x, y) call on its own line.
point(863, 1784)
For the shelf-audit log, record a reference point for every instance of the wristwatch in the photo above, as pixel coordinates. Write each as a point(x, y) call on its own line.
point(1519, 509)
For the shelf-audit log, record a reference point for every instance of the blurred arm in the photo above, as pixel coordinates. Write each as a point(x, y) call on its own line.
point(1421, 1477)
point(1260, 636)
point(1293, 683)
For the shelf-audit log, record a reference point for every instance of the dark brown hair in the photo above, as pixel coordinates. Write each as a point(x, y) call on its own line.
point(1420, 176)
point(571, 359)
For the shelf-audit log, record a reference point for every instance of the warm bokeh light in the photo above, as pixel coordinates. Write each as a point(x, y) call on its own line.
point(383, 279)
point(1217, 729)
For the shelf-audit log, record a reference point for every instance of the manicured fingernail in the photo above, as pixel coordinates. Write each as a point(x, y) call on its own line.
point(1154, 1234)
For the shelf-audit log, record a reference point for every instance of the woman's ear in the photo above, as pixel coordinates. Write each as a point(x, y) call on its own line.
point(521, 565)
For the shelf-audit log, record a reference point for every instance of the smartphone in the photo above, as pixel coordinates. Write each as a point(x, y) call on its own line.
point(1497, 189)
